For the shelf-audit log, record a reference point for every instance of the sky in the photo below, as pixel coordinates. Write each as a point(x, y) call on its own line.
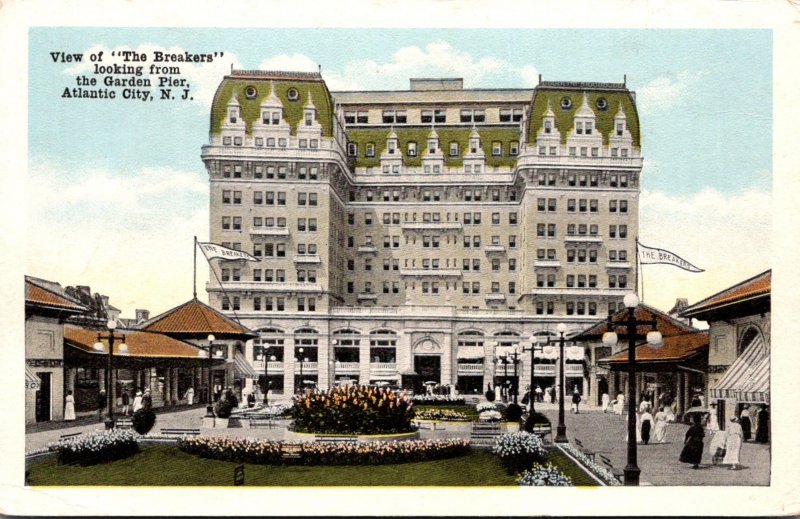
point(117, 190)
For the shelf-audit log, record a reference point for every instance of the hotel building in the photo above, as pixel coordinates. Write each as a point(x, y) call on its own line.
point(420, 235)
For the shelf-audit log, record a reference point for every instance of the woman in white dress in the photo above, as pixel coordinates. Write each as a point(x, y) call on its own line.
point(620, 405)
point(733, 444)
point(69, 407)
point(137, 401)
point(660, 432)
point(190, 396)
point(605, 401)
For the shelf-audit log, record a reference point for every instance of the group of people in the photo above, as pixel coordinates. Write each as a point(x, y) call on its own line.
point(726, 444)
point(140, 400)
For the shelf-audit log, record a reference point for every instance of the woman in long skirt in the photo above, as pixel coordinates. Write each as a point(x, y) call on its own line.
point(762, 435)
point(660, 432)
point(733, 444)
point(744, 421)
point(69, 407)
point(605, 401)
point(620, 405)
point(647, 425)
point(693, 444)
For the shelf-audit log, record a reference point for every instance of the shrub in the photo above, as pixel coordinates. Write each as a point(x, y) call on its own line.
point(490, 394)
point(519, 450)
point(249, 450)
point(353, 410)
point(97, 447)
point(544, 476)
point(535, 419)
point(447, 415)
point(143, 420)
point(513, 413)
point(226, 404)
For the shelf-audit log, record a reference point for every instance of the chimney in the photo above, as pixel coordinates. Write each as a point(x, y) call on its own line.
point(142, 315)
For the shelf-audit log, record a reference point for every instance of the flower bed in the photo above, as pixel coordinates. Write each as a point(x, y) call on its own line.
point(543, 476)
point(439, 399)
point(598, 470)
point(486, 406)
point(518, 451)
point(250, 450)
point(443, 415)
point(89, 449)
point(490, 416)
point(353, 410)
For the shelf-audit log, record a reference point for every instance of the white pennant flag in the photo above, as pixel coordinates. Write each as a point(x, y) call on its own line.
point(212, 250)
point(650, 255)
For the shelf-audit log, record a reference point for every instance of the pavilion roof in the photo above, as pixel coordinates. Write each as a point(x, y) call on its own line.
point(750, 290)
point(197, 319)
point(675, 348)
point(45, 295)
point(665, 323)
point(140, 344)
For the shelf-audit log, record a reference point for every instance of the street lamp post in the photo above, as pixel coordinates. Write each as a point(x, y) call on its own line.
point(654, 339)
point(561, 429)
point(300, 358)
point(515, 384)
point(535, 346)
point(123, 349)
point(210, 369)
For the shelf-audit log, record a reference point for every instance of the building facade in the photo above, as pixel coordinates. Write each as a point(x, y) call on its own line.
point(415, 236)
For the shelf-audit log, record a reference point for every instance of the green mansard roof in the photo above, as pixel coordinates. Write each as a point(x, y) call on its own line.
point(552, 92)
point(304, 82)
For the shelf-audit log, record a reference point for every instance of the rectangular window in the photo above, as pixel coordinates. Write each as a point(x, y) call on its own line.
point(513, 148)
point(512, 264)
point(512, 218)
point(612, 206)
point(497, 148)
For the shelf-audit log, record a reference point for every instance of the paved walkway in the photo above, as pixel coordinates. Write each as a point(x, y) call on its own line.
point(597, 431)
point(659, 463)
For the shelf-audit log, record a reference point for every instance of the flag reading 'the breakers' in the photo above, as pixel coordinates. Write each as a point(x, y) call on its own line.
point(212, 250)
point(648, 255)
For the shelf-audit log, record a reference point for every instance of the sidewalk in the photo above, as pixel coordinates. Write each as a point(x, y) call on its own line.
point(606, 433)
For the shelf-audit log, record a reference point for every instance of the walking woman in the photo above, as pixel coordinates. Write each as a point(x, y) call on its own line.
point(733, 444)
point(660, 432)
point(762, 435)
point(744, 422)
point(647, 424)
point(69, 407)
point(693, 443)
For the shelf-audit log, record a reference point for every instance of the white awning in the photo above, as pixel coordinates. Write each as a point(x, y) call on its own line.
point(470, 352)
point(747, 380)
point(500, 351)
point(574, 352)
point(549, 352)
point(32, 380)
point(244, 367)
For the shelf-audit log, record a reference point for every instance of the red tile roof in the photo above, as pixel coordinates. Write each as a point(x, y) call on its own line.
point(675, 348)
point(666, 324)
point(140, 344)
point(194, 318)
point(755, 287)
point(40, 296)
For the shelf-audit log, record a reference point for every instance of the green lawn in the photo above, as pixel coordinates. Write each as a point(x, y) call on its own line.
point(567, 466)
point(163, 465)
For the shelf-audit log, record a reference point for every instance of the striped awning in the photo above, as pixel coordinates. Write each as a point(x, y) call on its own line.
point(32, 381)
point(244, 367)
point(470, 352)
point(747, 380)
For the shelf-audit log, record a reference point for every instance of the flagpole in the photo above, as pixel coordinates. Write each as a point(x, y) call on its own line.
point(194, 266)
point(224, 293)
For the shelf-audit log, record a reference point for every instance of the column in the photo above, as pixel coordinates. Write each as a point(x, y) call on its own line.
point(167, 386)
point(585, 392)
point(101, 376)
point(175, 395)
point(69, 374)
point(112, 392)
point(679, 392)
point(488, 365)
point(324, 368)
point(448, 361)
point(288, 369)
point(686, 393)
point(363, 362)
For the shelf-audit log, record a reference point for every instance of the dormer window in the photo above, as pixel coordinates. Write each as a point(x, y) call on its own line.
point(454, 149)
point(548, 126)
point(276, 117)
point(233, 115)
point(370, 149)
point(391, 147)
point(620, 129)
point(309, 118)
point(588, 127)
point(432, 146)
point(352, 149)
point(412, 149)
point(579, 128)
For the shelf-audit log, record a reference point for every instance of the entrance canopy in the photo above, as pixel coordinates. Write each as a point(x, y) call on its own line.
point(747, 380)
point(32, 381)
point(244, 367)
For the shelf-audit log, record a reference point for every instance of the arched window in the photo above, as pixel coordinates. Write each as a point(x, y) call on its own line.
point(751, 335)
point(382, 346)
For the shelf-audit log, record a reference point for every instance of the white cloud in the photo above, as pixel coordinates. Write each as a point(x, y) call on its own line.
point(203, 78)
point(128, 236)
point(663, 92)
point(436, 59)
point(728, 235)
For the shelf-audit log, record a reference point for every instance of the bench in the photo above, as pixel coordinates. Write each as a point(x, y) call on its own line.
point(335, 439)
point(587, 452)
point(619, 474)
point(180, 432)
point(259, 423)
point(124, 423)
point(69, 436)
point(543, 430)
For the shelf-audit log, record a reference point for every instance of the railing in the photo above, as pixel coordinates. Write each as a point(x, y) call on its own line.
point(307, 366)
point(267, 286)
point(550, 370)
point(269, 231)
point(618, 264)
point(309, 258)
point(431, 272)
point(431, 226)
point(347, 367)
point(367, 249)
point(587, 238)
point(495, 297)
point(532, 160)
point(383, 366)
point(276, 366)
point(494, 248)
point(589, 291)
point(367, 295)
point(547, 264)
point(470, 368)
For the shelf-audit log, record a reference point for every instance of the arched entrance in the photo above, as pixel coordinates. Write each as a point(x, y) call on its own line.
point(427, 364)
